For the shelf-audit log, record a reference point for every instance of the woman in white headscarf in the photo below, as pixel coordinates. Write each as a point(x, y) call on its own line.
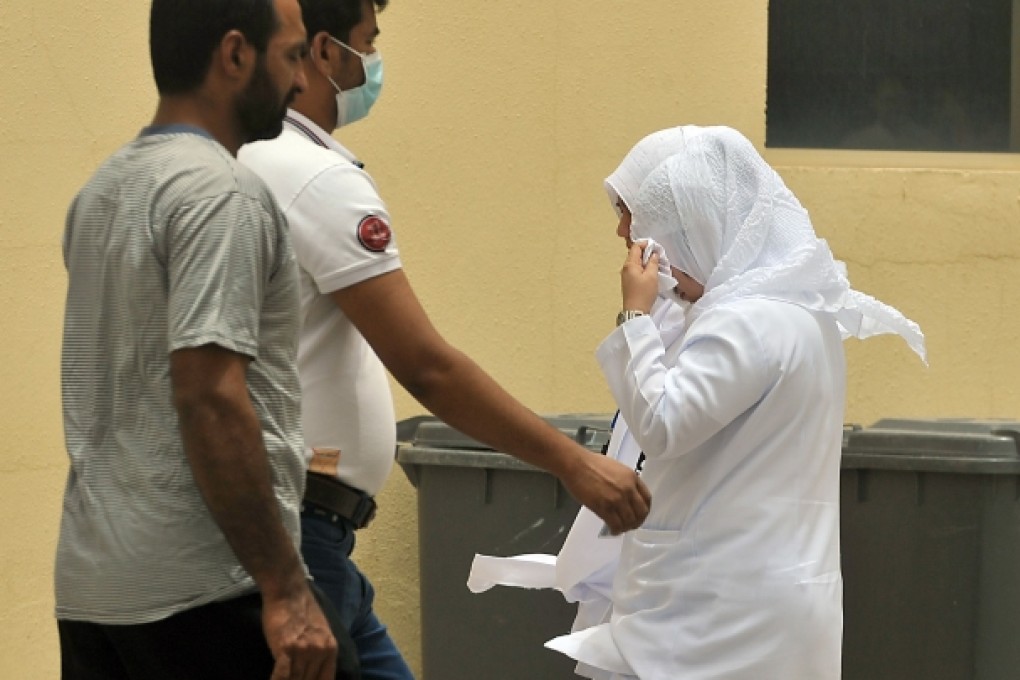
point(735, 574)
point(585, 567)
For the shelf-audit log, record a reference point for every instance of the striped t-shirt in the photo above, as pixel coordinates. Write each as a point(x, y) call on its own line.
point(171, 244)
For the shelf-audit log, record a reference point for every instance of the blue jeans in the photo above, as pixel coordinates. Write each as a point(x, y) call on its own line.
point(327, 546)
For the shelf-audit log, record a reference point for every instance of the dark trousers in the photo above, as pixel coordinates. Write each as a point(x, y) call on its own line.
point(217, 641)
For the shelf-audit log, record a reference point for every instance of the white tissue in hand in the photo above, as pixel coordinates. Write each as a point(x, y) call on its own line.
point(667, 283)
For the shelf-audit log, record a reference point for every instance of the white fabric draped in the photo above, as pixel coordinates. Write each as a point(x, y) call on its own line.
point(728, 220)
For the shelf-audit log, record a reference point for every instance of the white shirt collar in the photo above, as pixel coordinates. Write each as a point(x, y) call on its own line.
point(304, 126)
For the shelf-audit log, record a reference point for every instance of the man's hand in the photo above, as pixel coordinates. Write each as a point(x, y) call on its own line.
point(299, 637)
point(610, 489)
point(639, 282)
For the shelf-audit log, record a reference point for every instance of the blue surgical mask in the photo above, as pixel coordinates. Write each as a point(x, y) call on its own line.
point(353, 104)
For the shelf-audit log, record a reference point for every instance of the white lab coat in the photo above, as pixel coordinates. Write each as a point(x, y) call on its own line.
point(585, 567)
point(735, 573)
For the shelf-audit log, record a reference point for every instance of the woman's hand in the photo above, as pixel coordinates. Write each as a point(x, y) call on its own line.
point(639, 282)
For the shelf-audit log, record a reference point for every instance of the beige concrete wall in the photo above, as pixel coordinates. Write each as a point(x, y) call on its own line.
point(497, 124)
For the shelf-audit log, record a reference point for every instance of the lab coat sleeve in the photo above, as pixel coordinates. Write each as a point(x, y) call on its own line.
point(721, 371)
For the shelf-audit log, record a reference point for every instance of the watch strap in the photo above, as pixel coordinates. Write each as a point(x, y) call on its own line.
point(628, 314)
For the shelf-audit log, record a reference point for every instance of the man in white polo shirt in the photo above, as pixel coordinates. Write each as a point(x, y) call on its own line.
point(358, 308)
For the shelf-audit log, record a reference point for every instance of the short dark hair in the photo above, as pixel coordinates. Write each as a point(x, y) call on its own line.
point(336, 17)
point(184, 33)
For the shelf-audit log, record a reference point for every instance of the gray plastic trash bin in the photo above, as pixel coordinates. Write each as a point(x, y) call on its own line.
point(474, 500)
point(931, 550)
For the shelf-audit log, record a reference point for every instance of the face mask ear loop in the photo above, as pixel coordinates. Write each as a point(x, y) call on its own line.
point(350, 49)
point(329, 77)
point(353, 51)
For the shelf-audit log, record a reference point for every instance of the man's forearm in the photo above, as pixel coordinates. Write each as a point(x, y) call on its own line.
point(461, 394)
point(224, 446)
point(467, 398)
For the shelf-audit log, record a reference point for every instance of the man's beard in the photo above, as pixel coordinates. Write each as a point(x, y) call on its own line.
point(260, 110)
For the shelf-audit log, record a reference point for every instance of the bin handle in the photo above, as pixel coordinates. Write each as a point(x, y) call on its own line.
point(1012, 433)
point(583, 438)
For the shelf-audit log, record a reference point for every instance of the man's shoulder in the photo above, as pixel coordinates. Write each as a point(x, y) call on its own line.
point(179, 150)
point(289, 150)
point(291, 161)
point(196, 168)
point(167, 169)
point(188, 163)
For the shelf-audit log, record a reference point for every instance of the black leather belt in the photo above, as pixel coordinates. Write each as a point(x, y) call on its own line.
point(337, 498)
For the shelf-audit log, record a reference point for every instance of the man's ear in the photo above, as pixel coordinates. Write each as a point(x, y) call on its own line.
point(235, 54)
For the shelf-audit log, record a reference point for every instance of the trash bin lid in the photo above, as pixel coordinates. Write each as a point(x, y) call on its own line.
point(436, 443)
point(961, 445)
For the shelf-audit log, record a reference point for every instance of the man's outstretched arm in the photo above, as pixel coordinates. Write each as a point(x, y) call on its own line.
point(453, 387)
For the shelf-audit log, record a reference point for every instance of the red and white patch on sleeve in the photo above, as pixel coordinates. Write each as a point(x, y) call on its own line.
point(374, 234)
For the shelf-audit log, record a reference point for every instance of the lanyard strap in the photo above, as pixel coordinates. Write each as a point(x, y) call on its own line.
point(310, 134)
point(306, 131)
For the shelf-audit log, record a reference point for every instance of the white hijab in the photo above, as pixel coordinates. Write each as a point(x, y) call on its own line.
point(726, 218)
point(626, 180)
point(625, 183)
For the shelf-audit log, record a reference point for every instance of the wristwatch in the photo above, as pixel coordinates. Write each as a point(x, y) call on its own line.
point(627, 315)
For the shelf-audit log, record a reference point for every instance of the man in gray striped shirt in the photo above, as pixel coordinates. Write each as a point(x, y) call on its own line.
point(178, 556)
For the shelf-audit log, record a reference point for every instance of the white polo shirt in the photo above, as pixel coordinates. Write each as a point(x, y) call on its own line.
point(341, 236)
